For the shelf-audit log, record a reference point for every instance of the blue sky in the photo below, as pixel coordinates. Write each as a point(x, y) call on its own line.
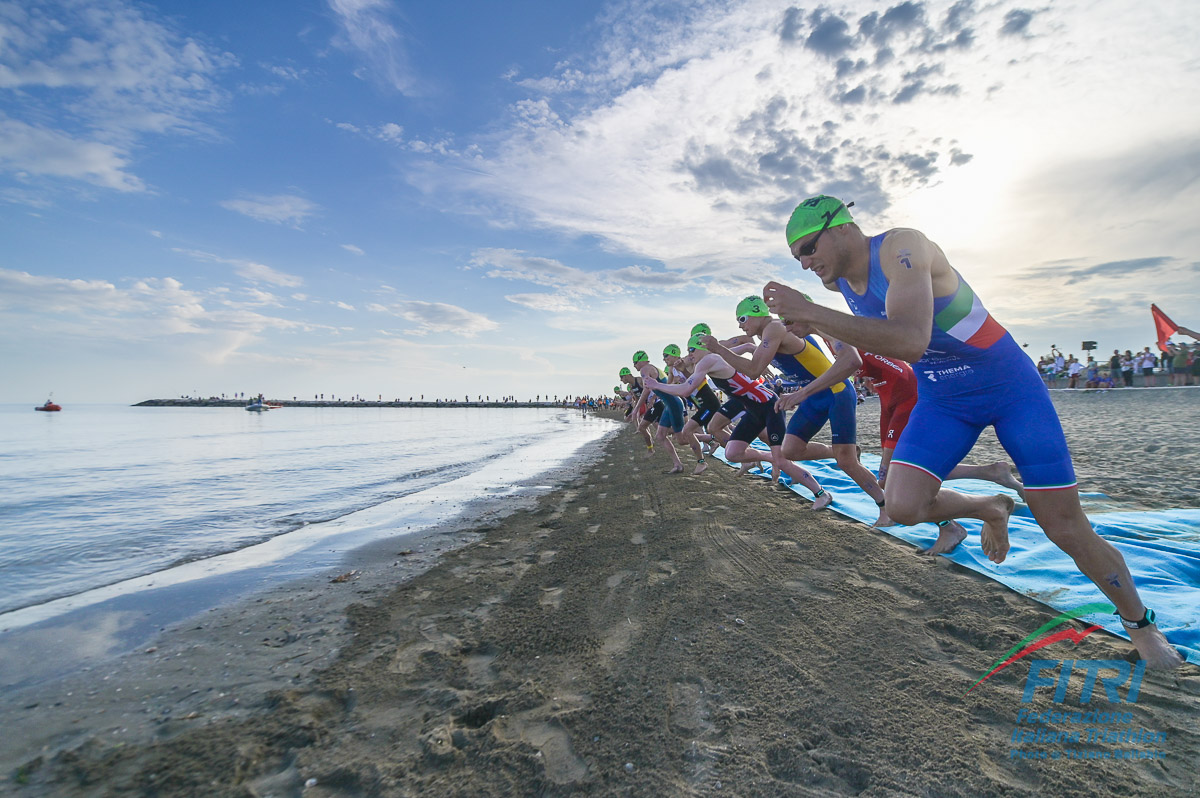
point(380, 198)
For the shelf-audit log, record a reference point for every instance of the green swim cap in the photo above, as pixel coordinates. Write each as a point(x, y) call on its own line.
point(672, 350)
point(616, 389)
point(752, 306)
point(701, 328)
point(810, 216)
point(624, 372)
point(695, 343)
point(640, 356)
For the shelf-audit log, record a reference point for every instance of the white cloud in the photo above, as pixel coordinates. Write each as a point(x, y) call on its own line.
point(142, 312)
point(367, 30)
point(111, 75)
point(274, 208)
point(511, 264)
point(437, 317)
point(353, 249)
point(44, 151)
point(548, 303)
point(390, 132)
point(343, 305)
point(258, 272)
point(686, 137)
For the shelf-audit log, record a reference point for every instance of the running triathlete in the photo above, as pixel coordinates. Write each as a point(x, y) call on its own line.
point(910, 303)
point(672, 416)
point(758, 403)
point(705, 399)
point(896, 384)
point(820, 397)
point(637, 413)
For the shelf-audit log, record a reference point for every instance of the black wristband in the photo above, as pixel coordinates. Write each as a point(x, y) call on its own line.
point(1147, 620)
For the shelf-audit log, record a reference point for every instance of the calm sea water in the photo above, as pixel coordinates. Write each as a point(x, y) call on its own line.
point(98, 495)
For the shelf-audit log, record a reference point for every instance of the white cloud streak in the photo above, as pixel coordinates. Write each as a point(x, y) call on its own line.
point(366, 29)
point(274, 208)
point(110, 75)
point(437, 317)
point(251, 270)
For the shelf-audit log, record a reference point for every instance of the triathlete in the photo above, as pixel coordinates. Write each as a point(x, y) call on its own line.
point(908, 302)
point(758, 403)
point(707, 404)
point(821, 397)
point(896, 385)
point(638, 413)
point(672, 416)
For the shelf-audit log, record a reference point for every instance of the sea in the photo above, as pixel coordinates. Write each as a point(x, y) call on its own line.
point(102, 501)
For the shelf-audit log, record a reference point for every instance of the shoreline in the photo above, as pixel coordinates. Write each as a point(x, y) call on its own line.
point(629, 633)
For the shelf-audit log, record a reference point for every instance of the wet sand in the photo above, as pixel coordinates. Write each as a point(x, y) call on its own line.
point(633, 634)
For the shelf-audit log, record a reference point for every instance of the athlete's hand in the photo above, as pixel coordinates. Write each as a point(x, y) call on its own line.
point(798, 328)
point(786, 302)
point(709, 341)
point(790, 400)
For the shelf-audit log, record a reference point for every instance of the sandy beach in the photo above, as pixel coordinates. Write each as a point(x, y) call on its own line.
point(633, 633)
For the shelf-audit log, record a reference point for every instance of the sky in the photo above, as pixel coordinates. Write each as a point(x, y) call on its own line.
point(378, 198)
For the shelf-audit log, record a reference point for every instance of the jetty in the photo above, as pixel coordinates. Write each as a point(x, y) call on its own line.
point(241, 403)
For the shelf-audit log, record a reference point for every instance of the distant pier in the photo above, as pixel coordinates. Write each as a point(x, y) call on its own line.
point(239, 403)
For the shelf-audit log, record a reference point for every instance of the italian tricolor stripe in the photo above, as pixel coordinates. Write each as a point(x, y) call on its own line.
point(967, 320)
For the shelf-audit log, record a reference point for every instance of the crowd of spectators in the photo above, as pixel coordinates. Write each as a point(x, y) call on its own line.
point(1178, 365)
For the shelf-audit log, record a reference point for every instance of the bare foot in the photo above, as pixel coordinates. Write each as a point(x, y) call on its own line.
point(1154, 648)
point(993, 539)
point(883, 520)
point(747, 467)
point(678, 469)
point(949, 536)
point(700, 468)
point(1001, 473)
point(823, 501)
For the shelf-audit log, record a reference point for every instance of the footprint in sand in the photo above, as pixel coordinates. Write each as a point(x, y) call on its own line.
point(583, 511)
point(638, 538)
point(551, 597)
point(593, 529)
point(616, 579)
point(649, 513)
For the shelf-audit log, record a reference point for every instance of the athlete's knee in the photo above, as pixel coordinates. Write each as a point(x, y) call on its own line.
point(846, 457)
point(1067, 527)
point(794, 448)
point(906, 507)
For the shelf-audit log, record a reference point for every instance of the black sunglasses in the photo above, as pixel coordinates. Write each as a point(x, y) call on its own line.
point(811, 247)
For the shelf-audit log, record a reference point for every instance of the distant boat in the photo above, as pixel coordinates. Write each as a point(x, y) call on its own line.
point(49, 406)
point(257, 407)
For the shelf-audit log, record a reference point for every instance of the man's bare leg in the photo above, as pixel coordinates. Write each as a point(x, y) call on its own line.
point(914, 496)
point(847, 460)
point(664, 437)
point(821, 497)
point(999, 472)
point(796, 448)
point(1061, 517)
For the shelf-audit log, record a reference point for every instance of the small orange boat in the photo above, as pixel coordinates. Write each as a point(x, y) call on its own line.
point(49, 406)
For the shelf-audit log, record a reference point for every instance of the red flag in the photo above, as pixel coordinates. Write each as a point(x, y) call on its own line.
point(1164, 326)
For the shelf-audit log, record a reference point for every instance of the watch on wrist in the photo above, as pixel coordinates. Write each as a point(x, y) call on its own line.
point(1146, 620)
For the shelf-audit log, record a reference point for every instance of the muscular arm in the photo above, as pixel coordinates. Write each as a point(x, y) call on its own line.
point(846, 361)
point(757, 365)
point(909, 261)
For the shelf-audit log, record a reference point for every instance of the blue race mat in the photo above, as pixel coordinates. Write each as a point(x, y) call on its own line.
point(1161, 548)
